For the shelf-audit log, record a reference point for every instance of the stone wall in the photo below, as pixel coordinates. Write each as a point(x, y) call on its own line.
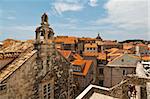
point(114, 75)
point(20, 83)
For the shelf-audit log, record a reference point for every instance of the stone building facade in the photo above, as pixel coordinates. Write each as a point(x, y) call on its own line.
point(121, 66)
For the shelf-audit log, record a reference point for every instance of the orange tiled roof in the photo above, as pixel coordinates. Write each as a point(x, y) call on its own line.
point(127, 46)
point(146, 58)
point(115, 54)
point(112, 50)
point(66, 40)
point(78, 62)
point(77, 56)
point(65, 53)
point(95, 54)
point(90, 54)
point(86, 68)
point(109, 42)
point(110, 58)
point(102, 56)
point(86, 39)
point(90, 45)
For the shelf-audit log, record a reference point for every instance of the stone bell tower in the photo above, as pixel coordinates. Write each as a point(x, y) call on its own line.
point(44, 32)
point(51, 67)
point(43, 41)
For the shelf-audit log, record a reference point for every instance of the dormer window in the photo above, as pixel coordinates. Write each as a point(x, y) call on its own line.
point(76, 68)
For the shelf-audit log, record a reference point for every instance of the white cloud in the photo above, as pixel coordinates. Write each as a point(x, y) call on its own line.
point(128, 13)
point(129, 16)
point(93, 3)
point(61, 7)
point(11, 17)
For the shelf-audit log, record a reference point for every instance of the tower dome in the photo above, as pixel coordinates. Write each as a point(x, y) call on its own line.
point(98, 37)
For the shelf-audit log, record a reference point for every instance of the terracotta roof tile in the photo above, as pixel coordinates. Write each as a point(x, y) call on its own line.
point(91, 54)
point(65, 53)
point(90, 45)
point(112, 50)
point(66, 40)
point(87, 39)
point(95, 54)
point(78, 62)
point(128, 46)
point(86, 68)
point(146, 58)
point(77, 56)
point(102, 56)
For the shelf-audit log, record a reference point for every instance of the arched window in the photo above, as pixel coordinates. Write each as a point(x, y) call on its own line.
point(41, 36)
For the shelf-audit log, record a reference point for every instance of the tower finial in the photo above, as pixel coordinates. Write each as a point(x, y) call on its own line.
point(98, 37)
point(44, 19)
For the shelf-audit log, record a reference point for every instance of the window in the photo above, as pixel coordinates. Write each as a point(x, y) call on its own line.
point(90, 48)
point(101, 82)
point(2, 87)
point(87, 48)
point(101, 71)
point(124, 72)
point(76, 68)
point(93, 48)
point(46, 91)
point(49, 87)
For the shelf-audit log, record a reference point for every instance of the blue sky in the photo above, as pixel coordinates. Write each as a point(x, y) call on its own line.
point(113, 19)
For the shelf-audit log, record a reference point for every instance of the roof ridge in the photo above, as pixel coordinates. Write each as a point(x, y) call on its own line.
point(116, 58)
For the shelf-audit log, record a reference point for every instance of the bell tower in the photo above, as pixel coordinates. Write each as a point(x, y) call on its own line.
point(44, 32)
point(43, 41)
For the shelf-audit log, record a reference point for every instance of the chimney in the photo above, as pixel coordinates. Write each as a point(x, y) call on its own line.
point(137, 50)
point(106, 56)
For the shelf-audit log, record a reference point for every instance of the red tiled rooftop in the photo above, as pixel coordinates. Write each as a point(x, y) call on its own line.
point(77, 56)
point(78, 62)
point(66, 40)
point(90, 45)
point(146, 58)
point(65, 53)
point(86, 68)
